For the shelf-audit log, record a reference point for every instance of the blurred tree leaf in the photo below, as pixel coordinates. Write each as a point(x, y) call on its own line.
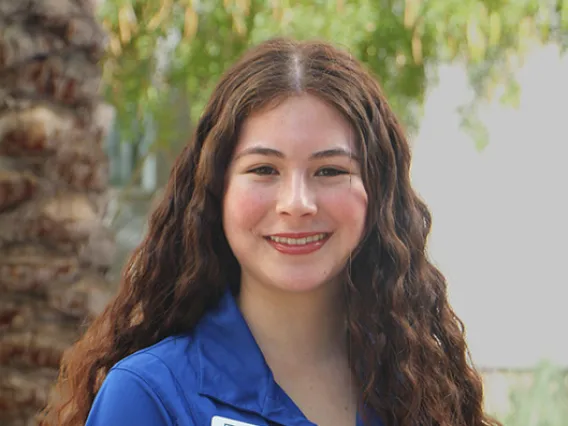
point(542, 402)
point(157, 47)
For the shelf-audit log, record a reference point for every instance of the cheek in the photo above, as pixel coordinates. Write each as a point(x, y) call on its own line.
point(348, 206)
point(243, 206)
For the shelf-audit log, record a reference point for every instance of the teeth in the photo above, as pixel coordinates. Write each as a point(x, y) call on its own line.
point(298, 241)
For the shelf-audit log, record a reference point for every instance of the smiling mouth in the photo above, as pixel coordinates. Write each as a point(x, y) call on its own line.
point(298, 244)
point(298, 241)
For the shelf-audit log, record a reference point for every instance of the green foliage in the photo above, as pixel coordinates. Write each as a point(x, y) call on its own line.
point(399, 41)
point(543, 401)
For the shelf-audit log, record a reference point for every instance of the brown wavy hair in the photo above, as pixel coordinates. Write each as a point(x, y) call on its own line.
point(407, 346)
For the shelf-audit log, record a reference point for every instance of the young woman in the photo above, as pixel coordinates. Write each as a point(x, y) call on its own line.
point(284, 278)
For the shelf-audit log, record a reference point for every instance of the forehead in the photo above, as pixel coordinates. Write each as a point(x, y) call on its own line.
point(298, 124)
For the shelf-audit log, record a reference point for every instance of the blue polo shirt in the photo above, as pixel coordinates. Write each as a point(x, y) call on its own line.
point(217, 376)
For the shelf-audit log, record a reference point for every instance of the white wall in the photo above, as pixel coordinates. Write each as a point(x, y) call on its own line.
point(500, 230)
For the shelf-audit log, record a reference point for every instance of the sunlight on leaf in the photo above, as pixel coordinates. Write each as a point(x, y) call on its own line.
point(190, 23)
point(159, 17)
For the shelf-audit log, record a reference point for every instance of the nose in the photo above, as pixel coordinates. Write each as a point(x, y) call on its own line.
point(295, 197)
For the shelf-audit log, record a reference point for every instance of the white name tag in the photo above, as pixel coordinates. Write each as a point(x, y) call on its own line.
point(224, 421)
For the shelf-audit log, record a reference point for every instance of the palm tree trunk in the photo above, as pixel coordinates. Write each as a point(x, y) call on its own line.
point(54, 249)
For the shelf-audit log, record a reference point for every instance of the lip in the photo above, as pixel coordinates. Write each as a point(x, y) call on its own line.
point(298, 234)
point(296, 249)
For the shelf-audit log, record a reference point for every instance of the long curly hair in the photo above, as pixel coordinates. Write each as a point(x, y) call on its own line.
point(407, 346)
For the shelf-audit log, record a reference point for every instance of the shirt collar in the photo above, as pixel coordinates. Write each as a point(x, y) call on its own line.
point(233, 369)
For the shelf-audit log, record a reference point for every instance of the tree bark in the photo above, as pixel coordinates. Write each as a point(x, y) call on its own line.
point(55, 251)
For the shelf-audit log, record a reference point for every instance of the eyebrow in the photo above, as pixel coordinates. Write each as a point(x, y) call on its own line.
point(334, 152)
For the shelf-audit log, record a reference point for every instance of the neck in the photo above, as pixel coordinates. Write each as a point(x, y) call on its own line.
point(299, 330)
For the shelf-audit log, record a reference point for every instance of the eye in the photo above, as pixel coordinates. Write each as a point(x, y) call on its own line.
point(330, 172)
point(263, 171)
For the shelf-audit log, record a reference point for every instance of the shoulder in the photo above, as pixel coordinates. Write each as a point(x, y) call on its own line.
point(153, 386)
point(126, 398)
point(170, 359)
point(170, 367)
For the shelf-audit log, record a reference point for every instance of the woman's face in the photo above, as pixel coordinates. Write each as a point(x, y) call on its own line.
point(295, 205)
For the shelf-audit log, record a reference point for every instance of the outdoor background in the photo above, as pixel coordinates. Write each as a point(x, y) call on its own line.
point(481, 86)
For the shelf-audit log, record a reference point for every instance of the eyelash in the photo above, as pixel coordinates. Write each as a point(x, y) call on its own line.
point(334, 171)
point(257, 170)
point(268, 171)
